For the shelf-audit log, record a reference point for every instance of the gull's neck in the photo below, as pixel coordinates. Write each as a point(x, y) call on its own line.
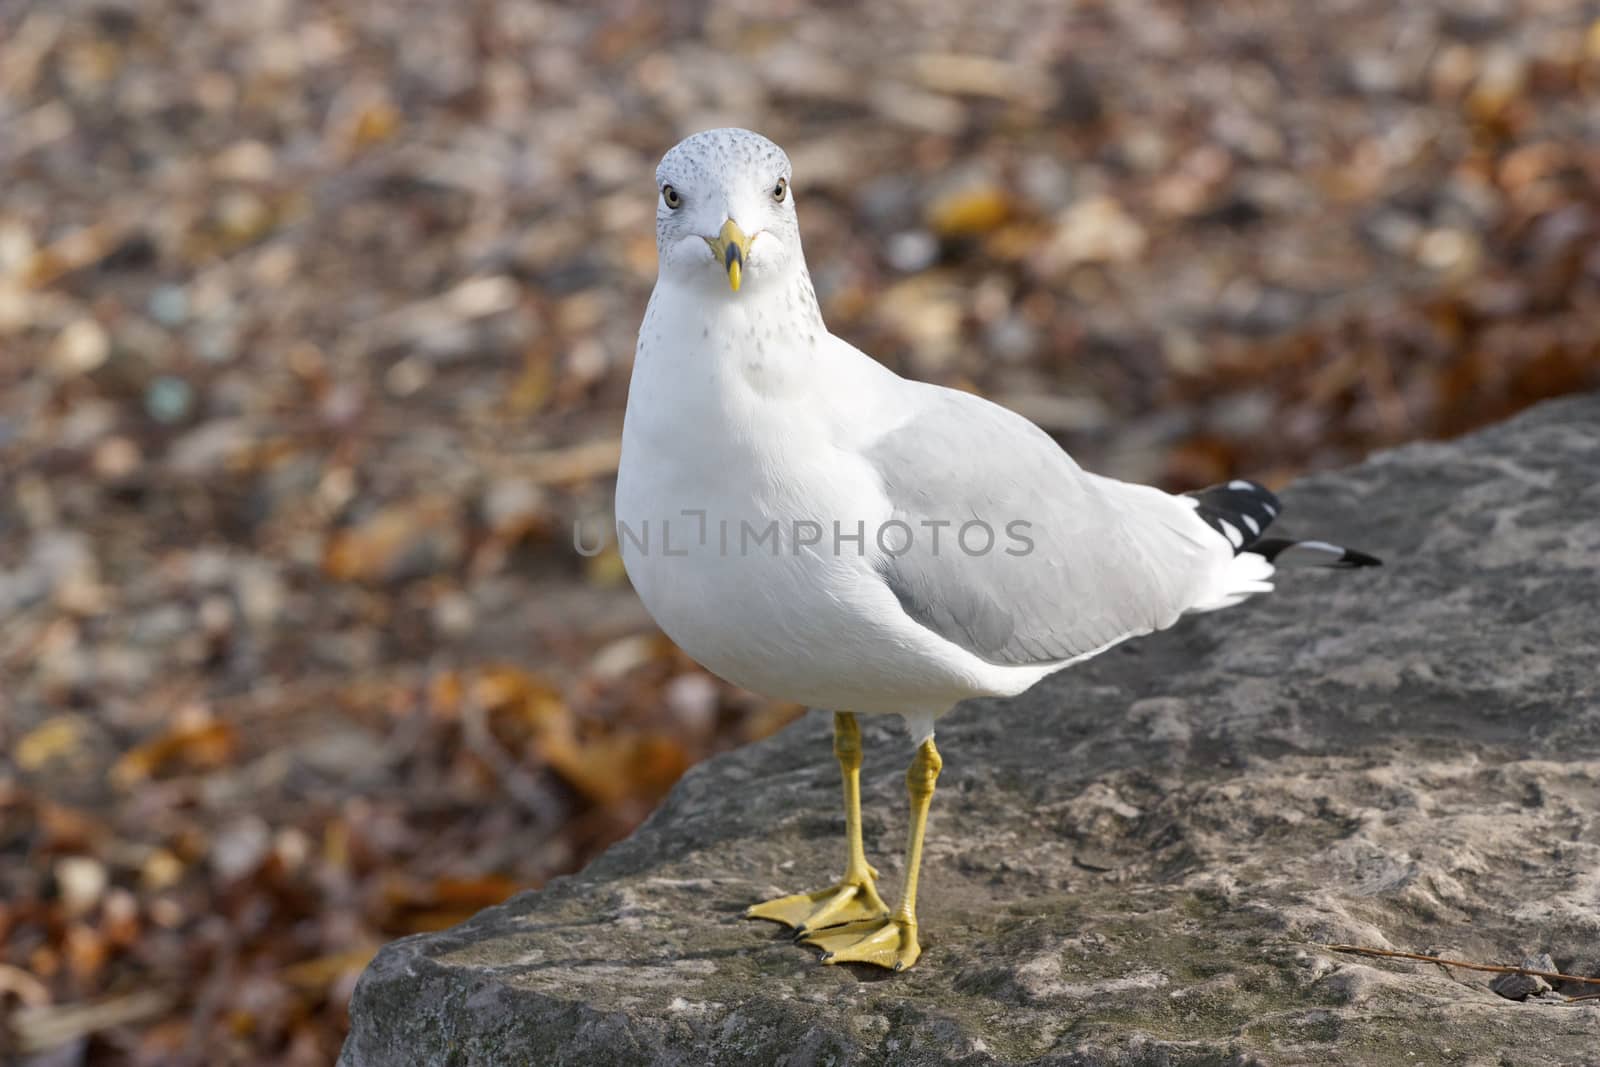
point(763, 337)
point(747, 376)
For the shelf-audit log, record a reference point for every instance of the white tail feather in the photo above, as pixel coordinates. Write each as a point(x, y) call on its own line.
point(1241, 578)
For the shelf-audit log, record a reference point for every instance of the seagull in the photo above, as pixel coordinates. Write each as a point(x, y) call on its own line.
point(809, 525)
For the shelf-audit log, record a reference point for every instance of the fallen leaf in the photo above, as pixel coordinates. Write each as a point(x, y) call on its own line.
point(316, 975)
point(969, 211)
point(195, 746)
point(614, 769)
point(54, 739)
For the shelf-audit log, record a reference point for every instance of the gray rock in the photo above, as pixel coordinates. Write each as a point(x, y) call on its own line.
point(1523, 986)
point(1136, 862)
point(1519, 986)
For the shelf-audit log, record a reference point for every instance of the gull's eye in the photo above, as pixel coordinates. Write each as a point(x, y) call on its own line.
point(670, 195)
point(780, 190)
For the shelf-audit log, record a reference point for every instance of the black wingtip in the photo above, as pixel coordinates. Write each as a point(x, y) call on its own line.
point(1238, 510)
point(1283, 551)
point(1241, 510)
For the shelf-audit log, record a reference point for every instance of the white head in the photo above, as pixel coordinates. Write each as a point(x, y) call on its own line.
point(725, 213)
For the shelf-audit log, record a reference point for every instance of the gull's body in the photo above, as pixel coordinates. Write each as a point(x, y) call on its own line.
point(789, 432)
point(744, 412)
point(800, 626)
point(795, 423)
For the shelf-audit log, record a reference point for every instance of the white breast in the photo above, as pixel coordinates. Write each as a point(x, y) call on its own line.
point(808, 624)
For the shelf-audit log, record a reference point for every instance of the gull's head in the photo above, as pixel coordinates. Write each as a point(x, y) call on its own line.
point(725, 212)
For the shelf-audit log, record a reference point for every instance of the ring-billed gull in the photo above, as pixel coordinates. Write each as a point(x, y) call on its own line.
point(810, 525)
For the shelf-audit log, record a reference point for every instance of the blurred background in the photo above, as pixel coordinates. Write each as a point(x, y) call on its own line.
point(316, 321)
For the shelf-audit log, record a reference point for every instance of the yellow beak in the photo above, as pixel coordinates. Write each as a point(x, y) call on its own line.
point(731, 247)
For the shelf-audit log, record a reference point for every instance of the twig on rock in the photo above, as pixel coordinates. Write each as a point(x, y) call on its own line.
point(1496, 968)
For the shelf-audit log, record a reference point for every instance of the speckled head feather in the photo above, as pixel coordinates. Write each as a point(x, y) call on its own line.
point(723, 202)
point(710, 154)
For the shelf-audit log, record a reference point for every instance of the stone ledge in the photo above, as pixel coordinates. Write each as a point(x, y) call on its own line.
point(1133, 862)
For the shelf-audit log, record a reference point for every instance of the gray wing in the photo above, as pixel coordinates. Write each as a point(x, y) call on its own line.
point(1078, 562)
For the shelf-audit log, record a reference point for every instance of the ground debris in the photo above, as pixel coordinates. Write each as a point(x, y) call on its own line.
point(1523, 986)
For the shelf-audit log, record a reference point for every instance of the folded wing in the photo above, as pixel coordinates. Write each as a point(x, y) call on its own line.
point(1075, 562)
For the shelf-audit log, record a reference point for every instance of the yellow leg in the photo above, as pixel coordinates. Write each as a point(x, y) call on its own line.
point(855, 896)
point(891, 941)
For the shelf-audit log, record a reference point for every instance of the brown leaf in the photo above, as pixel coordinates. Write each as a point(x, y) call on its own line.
point(611, 770)
point(533, 703)
point(87, 952)
point(68, 829)
point(769, 718)
point(316, 975)
point(969, 211)
point(199, 745)
point(400, 542)
point(480, 892)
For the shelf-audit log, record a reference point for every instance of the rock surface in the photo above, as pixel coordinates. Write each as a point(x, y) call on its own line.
point(1136, 862)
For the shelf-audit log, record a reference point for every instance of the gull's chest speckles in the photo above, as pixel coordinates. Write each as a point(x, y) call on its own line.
point(760, 360)
point(764, 344)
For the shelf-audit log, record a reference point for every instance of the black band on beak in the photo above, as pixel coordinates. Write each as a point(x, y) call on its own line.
point(730, 243)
